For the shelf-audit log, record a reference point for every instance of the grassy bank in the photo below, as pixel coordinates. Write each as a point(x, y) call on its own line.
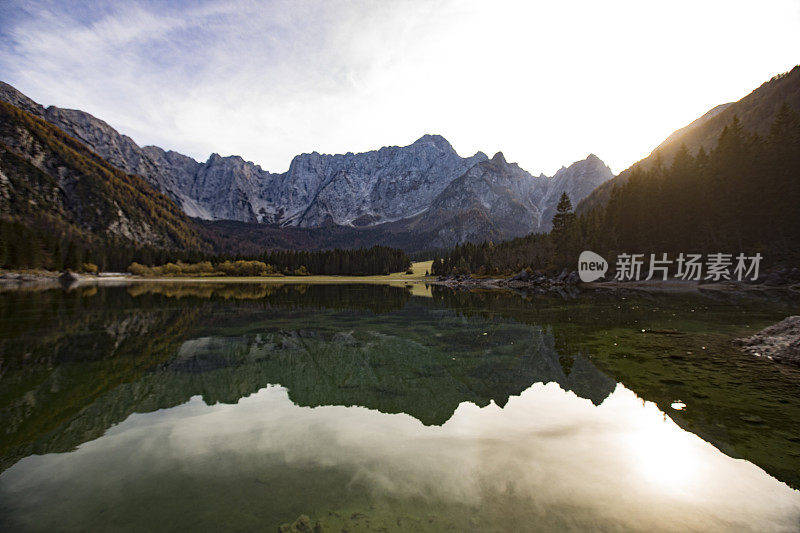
point(418, 273)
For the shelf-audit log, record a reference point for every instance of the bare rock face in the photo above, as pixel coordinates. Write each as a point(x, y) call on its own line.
point(366, 189)
point(12, 96)
point(348, 189)
point(176, 172)
point(498, 200)
point(779, 342)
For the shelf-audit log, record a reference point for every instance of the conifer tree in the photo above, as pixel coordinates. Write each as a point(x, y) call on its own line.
point(564, 215)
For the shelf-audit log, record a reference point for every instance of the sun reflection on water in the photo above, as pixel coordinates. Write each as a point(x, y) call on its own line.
point(664, 453)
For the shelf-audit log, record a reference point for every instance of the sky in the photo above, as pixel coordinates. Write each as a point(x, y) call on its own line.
point(547, 83)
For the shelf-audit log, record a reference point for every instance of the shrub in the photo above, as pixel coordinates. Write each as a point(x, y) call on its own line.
point(138, 270)
point(253, 268)
point(226, 268)
point(242, 268)
point(170, 269)
point(204, 268)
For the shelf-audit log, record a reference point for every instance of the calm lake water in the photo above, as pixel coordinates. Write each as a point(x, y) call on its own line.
point(212, 407)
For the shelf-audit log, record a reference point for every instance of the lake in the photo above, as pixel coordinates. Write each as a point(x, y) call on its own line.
point(228, 407)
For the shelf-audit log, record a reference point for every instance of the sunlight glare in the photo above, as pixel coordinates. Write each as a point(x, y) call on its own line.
point(664, 453)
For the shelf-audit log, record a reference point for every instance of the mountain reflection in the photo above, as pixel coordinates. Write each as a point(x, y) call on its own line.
point(73, 365)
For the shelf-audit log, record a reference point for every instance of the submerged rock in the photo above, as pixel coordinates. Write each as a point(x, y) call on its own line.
point(301, 525)
point(779, 342)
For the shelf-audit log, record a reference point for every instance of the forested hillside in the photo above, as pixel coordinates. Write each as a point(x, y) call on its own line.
point(62, 205)
point(742, 196)
point(755, 113)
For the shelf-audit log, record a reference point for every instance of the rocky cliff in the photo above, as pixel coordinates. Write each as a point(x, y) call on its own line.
point(497, 200)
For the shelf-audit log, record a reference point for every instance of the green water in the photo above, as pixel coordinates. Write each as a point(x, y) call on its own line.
point(210, 407)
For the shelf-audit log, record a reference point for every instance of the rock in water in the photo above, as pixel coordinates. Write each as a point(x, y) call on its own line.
point(779, 342)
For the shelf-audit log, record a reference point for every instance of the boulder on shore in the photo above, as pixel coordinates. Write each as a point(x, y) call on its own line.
point(522, 276)
point(68, 278)
point(778, 276)
point(779, 342)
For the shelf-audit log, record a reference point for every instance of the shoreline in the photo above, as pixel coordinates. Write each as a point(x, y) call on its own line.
point(19, 280)
point(672, 285)
point(47, 279)
point(31, 278)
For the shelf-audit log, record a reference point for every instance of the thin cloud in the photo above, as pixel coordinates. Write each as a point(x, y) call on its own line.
point(545, 83)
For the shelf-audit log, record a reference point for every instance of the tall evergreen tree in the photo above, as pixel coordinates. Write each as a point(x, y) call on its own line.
point(564, 215)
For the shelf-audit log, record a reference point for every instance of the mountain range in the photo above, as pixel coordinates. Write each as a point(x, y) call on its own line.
point(420, 196)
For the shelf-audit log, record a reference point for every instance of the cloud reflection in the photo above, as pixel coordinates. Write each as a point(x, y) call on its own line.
point(547, 457)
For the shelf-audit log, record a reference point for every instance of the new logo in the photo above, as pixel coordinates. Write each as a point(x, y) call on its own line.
point(591, 266)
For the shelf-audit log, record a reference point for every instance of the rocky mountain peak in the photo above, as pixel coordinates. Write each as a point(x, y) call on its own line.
point(12, 96)
point(436, 140)
point(498, 165)
point(591, 165)
point(499, 158)
point(505, 201)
